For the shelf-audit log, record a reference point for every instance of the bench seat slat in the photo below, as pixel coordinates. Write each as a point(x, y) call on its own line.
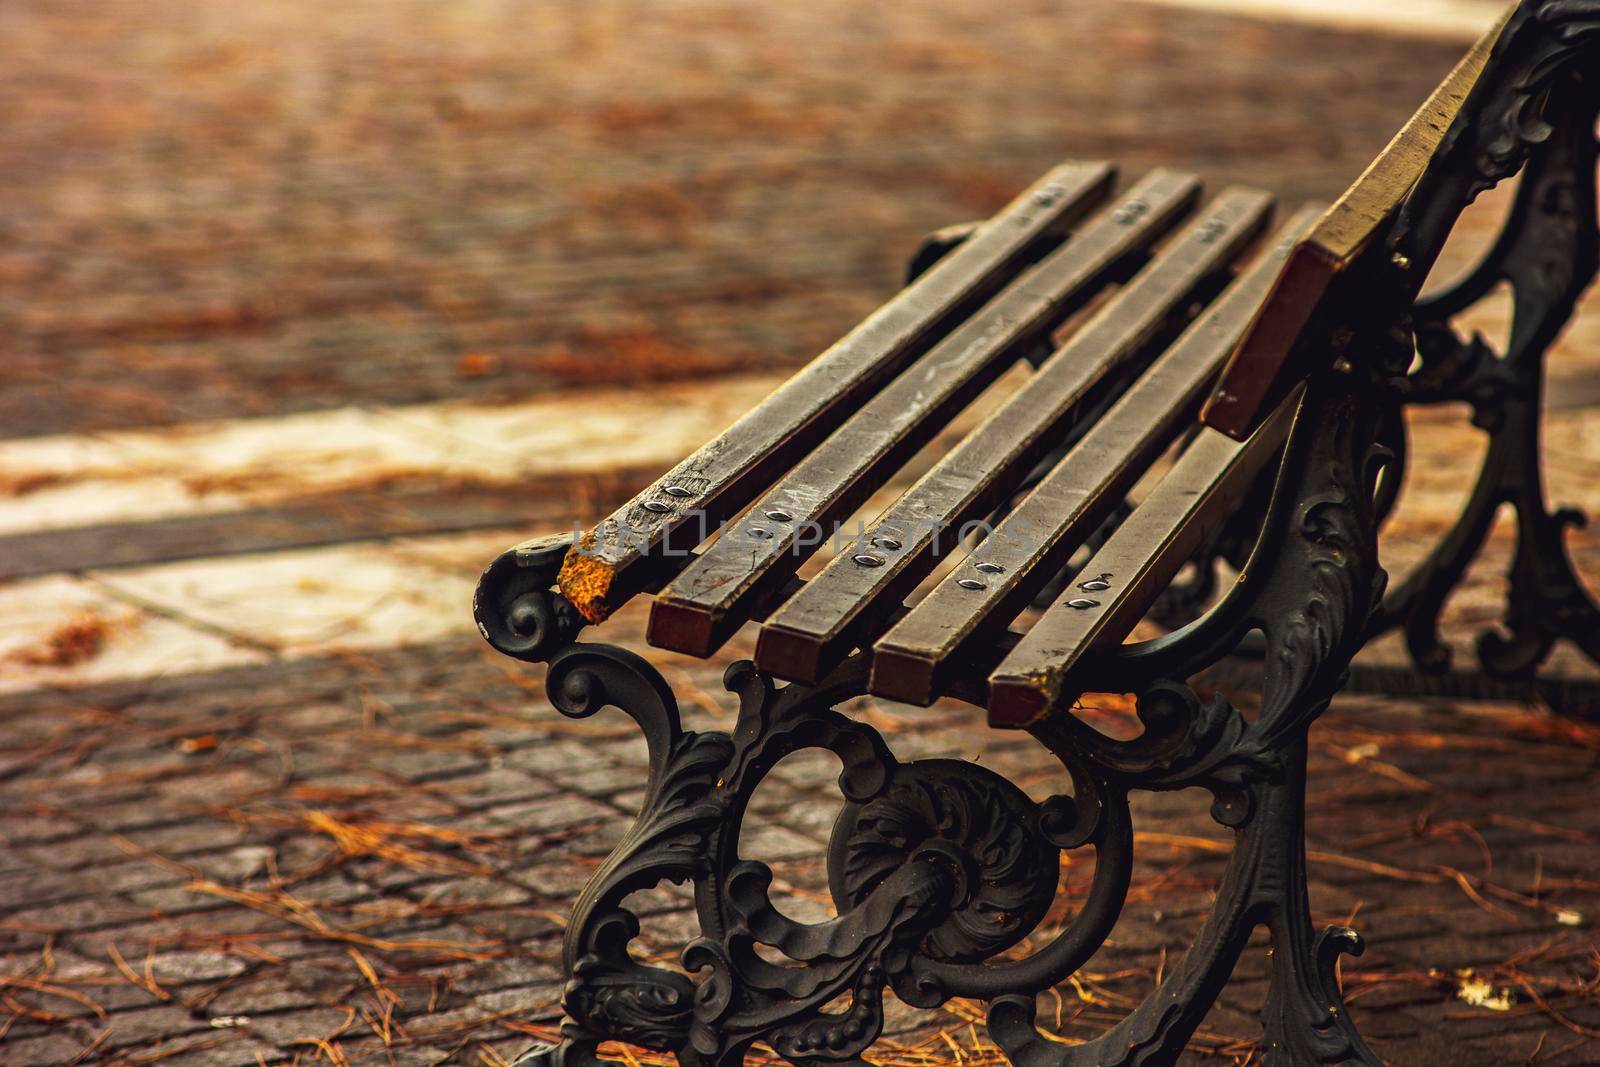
point(1137, 562)
point(620, 556)
point(813, 631)
point(914, 658)
point(712, 597)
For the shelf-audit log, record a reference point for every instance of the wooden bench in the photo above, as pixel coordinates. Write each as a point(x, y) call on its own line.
point(1200, 377)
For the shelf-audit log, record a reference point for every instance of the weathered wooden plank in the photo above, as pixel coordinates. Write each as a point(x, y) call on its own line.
point(611, 563)
point(1259, 372)
point(811, 632)
point(712, 596)
point(1137, 562)
point(914, 659)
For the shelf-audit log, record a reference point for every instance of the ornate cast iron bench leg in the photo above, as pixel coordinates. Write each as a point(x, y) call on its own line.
point(938, 867)
point(1310, 588)
point(1548, 254)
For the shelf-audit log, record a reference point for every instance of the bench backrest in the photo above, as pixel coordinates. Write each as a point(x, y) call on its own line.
point(1263, 368)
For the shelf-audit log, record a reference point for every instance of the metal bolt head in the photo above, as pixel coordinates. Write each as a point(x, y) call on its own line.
point(657, 506)
point(868, 560)
point(971, 583)
point(1130, 212)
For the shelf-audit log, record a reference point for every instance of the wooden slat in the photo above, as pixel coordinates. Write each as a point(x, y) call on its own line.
point(617, 559)
point(1137, 562)
point(1259, 372)
point(923, 651)
point(713, 595)
point(819, 626)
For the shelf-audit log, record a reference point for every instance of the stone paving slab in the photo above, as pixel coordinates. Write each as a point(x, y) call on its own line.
point(63, 481)
point(372, 856)
point(240, 587)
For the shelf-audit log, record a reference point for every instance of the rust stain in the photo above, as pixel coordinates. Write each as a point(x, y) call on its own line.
point(586, 580)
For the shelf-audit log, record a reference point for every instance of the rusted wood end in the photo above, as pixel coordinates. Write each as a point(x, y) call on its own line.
point(586, 579)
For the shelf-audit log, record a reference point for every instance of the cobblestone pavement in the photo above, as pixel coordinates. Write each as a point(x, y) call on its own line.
point(368, 859)
point(284, 807)
point(250, 208)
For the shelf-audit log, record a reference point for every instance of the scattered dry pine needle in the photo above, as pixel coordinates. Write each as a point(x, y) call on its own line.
point(73, 642)
point(381, 838)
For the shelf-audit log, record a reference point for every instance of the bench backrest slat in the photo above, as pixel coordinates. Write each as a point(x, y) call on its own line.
point(1260, 372)
point(614, 561)
point(713, 596)
point(817, 627)
point(1120, 581)
point(1032, 543)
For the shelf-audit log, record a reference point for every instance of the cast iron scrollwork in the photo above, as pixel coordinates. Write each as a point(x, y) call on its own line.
point(1541, 63)
point(608, 992)
point(516, 607)
point(981, 827)
point(1547, 252)
point(936, 867)
point(939, 870)
point(1313, 580)
point(942, 871)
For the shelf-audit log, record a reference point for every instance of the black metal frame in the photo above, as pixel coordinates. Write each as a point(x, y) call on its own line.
point(939, 868)
point(1547, 253)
